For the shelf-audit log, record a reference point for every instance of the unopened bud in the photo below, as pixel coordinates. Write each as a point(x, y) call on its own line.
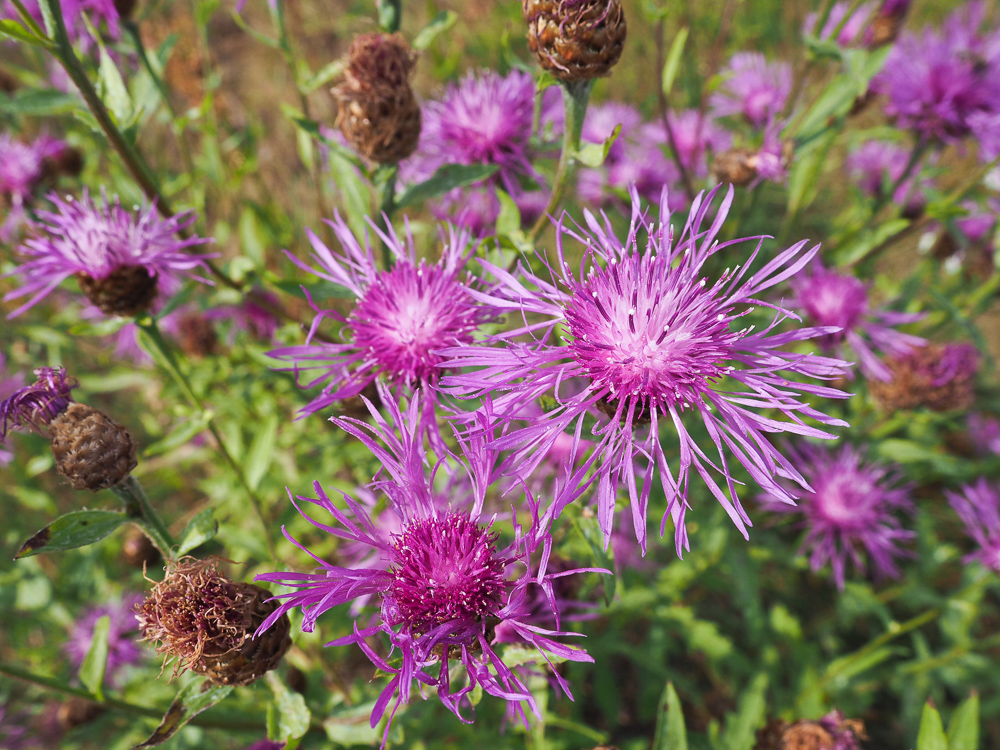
point(92, 450)
point(138, 551)
point(126, 291)
point(575, 40)
point(886, 23)
point(197, 335)
point(736, 166)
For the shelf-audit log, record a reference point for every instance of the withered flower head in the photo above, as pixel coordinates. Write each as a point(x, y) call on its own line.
point(575, 40)
point(378, 113)
point(206, 622)
point(940, 377)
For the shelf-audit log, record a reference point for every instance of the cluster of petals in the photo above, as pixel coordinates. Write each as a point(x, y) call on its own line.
point(37, 404)
point(443, 584)
point(83, 236)
point(978, 505)
point(21, 170)
point(877, 166)
point(647, 338)
point(753, 88)
point(843, 16)
point(123, 629)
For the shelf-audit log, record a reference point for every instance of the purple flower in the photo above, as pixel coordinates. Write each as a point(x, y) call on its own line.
point(846, 733)
point(839, 300)
point(73, 16)
point(848, 511)
point(402, 318)
point(694, 133)
point(984, 432)
point(250, 315)
point(267, 745)
point(985, 127)
point(601, 121)
point(101, 242)
point(938, 82)
point(754, 88)
point(37, 404)
point(9, 385)
point(21, 170)
point(444, 582)
point(877, 166)
point(978, 505)
point(647, 339)
point(851, 29)
point(123, 649)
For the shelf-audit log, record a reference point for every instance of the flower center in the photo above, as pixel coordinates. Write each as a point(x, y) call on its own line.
point(646, 329)
point(446, 570)
point(847, 502)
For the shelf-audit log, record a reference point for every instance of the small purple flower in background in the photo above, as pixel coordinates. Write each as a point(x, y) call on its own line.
point(877, 166)
point(847, 734)
point(96, 11)
point(978, 505)
point(850, 510)
point(37, 404)
point(250, 315)
point(649, 338)
point(754, 88)
point(267, 745)
point(120, 258)
point(941, 83)
point(9, 385)
point(22, 167)
point(601, 121)
point(985, 128)
point(443, 582)
point(694, 133)
point(123, 648)
point(984, 432)
point(829, 298)
point(851, 29)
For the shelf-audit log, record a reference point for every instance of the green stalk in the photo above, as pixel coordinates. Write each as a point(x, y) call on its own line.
point(576, 96)
point(386, 188)
point(137, 507)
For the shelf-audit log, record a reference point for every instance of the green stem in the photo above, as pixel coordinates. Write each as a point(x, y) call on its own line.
point(386, 187)
point(149, 327)
point(802, 71)
point(137, 507)
point(576, 95)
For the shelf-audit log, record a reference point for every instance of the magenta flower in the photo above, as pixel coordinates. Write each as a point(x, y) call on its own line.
point(985, 127)
point(97, 11)
point(601, 121)
point(694, 133)
point(9, 385)
point(444, 582)
point(978, 505)
point(37, 404)
point(850, 510)
point(839, 300)
point(123, 648)
point(121, 258)
point(21, 170)
point(984, 432)
point(878, 165)
point(647, 339)
point(851, 29)
point(754, 88)
point(403, 317)
point(938, 82)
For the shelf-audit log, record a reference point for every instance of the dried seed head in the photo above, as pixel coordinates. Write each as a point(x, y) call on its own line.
point(938, 377)
point(206, 622)
point(575, 40)
point(91, 450)
point(378, 113)
point(128, 290)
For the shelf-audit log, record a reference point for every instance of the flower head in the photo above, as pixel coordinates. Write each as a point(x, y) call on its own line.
point(695, 134)
point(23, 168)
point(850, 510)
point(753, 88)
point(941, 377)
point(444, 582)
point(878, 165)
point(36, 405)
point(252, 314)
point(123, 650)
point(833, 299)
point(648, 338)
point(120, 258)
point(984, 433)
point(978, 505)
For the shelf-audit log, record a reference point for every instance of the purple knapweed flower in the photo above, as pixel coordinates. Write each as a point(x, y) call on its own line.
point(601, 121)
point(443, 582)
point(9, 385)
point(37, 404)
point(851, 29)
point(978, 505)
point(22, 167)
point(649, 338)
point(846, 734)
point(937, 82)
point(74, 11)
point(985, 127)
point(695, 134)
point(877, 166)
point(123, 648)
point(754, 88)
point(850, 510)
point(121, 258)
point(840, 300)
point(984, 433)
point(403, 316)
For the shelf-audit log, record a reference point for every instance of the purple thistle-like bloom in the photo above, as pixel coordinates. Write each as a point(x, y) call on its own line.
point(984, 432)
point(21, 170)
point(878, 165)
point(123, 649)
point(601, 121)
point(444, 582)
point(402, 318)
point(978, 505)
point(938, 82)
point(37, 404)
point(267, 745)
point(73, 16)
point(835, 299)
point(649, 338)
point(90, 240)
point(849, 510)
point(754, 88)
point(694, 133)
point(9, 385)
point(851, 29)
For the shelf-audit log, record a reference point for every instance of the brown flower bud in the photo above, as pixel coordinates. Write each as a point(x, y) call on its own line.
point(68, 163)
point(128, 290)
point(377, 111)
point(207, 623)
point(737, 166)
point(575, 40)
point(76, 712)
point(197, 335)
point(938, 377)
point(138, 551)
point(125, 8)
point(91, 450)
point(8, 82)
point(806, 735)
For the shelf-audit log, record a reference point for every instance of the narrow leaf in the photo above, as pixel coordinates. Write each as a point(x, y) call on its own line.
point(672, 65)
point(76, 529)
point(671, 733)
point(193, 698)
point(326, 74)
point(39, 103)
point(261, 453)
point(96, 661)
point(447, 177)
point(593, 154)
point(14, 30)
point(200, 529)
point(112, 89)
point(963, 728)
point(932, 736)
point(439, 24)
point(180, 435)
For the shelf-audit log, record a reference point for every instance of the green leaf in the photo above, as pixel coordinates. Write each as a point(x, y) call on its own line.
point(963, 727)
point(590, 530)
point(111, 87)
point(39, 103)
point(593, 154)
point(351, 725)
point(76, 529)
point(261, 453)
point(671, 734)
point(439, 24)
point(193, 698)
point(312, 128)
point(96, 661)
point(931, 736)
point(17, 32)
point(199, 530)
point(447, 177)
point(741, 727)
point(288, 716)
point(672, 65)
point(180, 435)
point(326, 74)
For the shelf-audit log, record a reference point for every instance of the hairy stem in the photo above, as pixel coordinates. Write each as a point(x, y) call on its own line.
point(137, 507)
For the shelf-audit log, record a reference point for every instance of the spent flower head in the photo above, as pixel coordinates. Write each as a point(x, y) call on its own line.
point(978, 505)
point(940, 377)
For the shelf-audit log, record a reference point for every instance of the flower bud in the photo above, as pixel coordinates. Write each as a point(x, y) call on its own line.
point(938, 377)
point(197, 335)
point(206, 622)
point(127, 290)
point(378, 113)
point(886, 23)
point(734, 166)
point(138, 551)
point(575, 40)
point(8, 82)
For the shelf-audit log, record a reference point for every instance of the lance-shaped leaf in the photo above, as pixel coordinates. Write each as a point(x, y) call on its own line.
point(96, 661)
point(200, 529)
point(447, 177)
point(194, 698)
point(439, 24)
point(76, 529)
point(931, 736)
point(671, 734)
